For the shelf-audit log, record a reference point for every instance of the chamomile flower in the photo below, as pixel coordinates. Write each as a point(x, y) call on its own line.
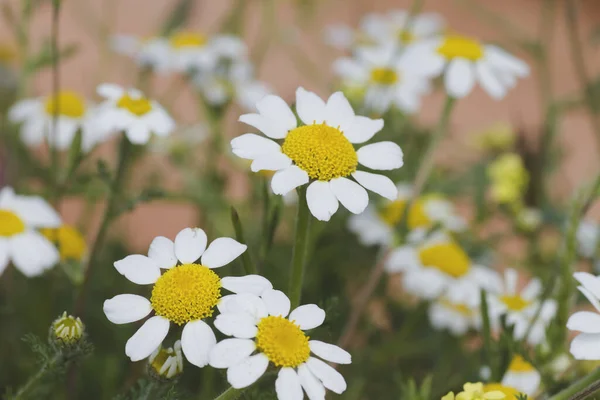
point(166, 363)
point(20, 242)
point(68, 240)
point(263, 334)
point(147, 53)
point(185, 294)
point(401, 27)
point(521, 308)
point(387, 76)
point(464, 61)
point(68, 109)
point(522, 376)
point(458, 318)
point(588, 238)
point(129, 111)
point(476, 391)
point(378, 223)
point(439, 266)
point(319, 152)
point(343, 37)
point(585, 346)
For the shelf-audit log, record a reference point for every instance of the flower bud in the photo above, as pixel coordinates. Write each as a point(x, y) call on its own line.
point(67, 329)
point(166, 363)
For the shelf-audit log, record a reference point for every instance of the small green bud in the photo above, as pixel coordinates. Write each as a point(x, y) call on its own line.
point(67, 330)
point(166, 363)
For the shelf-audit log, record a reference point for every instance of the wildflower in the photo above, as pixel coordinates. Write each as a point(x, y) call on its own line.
point(128, 110)
point(464, 60)
point(149, 53)
point(585, 345)
point(476, 391)
point(185, 294)
point(67, 329)
point(166, 363)
point(264, 334)
point(509, 179)
point(458, 318)
point(522, 376)
point(320, 153)
point(69, 241)
point(20, 216)
point(521, 308)
point(402, 28)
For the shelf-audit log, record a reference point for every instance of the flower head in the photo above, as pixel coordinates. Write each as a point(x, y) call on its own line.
point(509, 179)
point(457, 318)
point(166, 363)
point(500, 136)
point(476, 391)
point(521, 376)
point(67, 329)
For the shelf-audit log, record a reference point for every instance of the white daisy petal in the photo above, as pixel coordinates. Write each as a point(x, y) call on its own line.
point(251, 146)
point(254, 284)
point(330, 352)
point(310, 107)
point(264, 125)
point(24, 110)
point(584, 321)
point(271, 162)
point(197, 341)
point(190, 244)
point(277, 110)
point(230, 352)
point(248, 371)
point(138, 269)
point(312, 386)
point(147, 338)
point(126, 308)
point(288, 179)
point(110, 91)
point(331, 379)
point(36, 212)
point(362, 129)
point(222, 251)
point(288, 385)
point(138, 133)
point(589, 281)
point(382, 156)
point(322, 203)
point(380, 184)
point(162, 250)
point(245, 303)
point(352, 196)
point(308, 316)
point(278, 304)
point(338, 111)
point(459, 78)
point(489, 82)
point(505, 61)
point(239, 325)
point(585, 346)
point(591, 298)
point(532, 290)
point(32, 253)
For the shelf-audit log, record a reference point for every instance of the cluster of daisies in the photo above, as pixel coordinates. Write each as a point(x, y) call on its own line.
point(394, 58)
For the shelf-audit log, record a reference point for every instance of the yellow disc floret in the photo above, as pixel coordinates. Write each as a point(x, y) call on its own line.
point(70, 242)
point(448, 257)
point(406, 37)
point(322, 151)
point(455, 46)
point(10, 224)
point(282, 341)
point(384, 76)
point(393, 212)
point(518, 364)
point(187, 39)
point(135, 105)
point(186, 293)
point(514, 302)
point(65, 103)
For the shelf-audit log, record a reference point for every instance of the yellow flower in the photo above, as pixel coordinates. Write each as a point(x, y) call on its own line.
point(476, 391)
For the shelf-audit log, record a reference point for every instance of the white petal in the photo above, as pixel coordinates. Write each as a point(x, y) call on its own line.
point(110, 91)
point(271, 162)
point(24, 110)
point(190, 244)
point(459, 78)
point(310, 107)
point(126, 308)
point(584, 321)
point(138, 133)
point(312, 386)
point(288, 385)
point(251, 146)
point(510, 279)
point(352, 196)
point(380, 184)
point(162, 250)
point(338, 111)
point(586, 346)
point(197, 341)
point(239, 325)
point(147, 338)
point(382, 155)
point(35, 212)
point(288, 179)
point(254, 284)
point(505, 61)
point(591, 298)
point(245, 303)
point(322, 203)
point(362, 129)
point(489, 81)
point(589, 281)
point(277, 110)
point(330, 352)
point(331, 379)
point(248, 371)
point(222, 251)
point(277, 302)
point(532, 290)
point(138, 269)
point(230, 352)
point(264, 125)
point(308, 316)
point(32, 253)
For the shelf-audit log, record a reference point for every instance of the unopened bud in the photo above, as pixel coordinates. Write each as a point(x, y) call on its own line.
point(67, 329)
point(166, 363)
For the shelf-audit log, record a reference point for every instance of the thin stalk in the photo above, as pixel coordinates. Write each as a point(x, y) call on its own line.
point(231, 394)
point(300, 249)
point(48, 366)
point(54, 162)
point(487, 334)
point(582, 388)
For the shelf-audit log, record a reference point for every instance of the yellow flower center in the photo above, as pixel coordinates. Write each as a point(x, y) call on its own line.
point(518, 364)
point(70, 242)
point(188, 39)
point(515, 302)
point(509, 392)
point(282, 341)
point(322, 151)
point(406, 36)
point(458, 307)
point(447, 257)
point(186, 293)
point(65, 103)
point(393, 212)
point(384, 76)
point(10, 224)
point(455, 46)
point(135, 105)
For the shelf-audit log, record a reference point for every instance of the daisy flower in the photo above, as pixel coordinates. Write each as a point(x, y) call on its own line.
point(147, 53)
point(343, 37)
point(378, 223)
point(588, 238)
point(38, 115)
point(476, 391)
point(458, 318)
point(585, 345)
point(265, 334)
point(464, 60)
point(68, 240)
point(191, 51)
point(522, 376)
point(20, 242)
point(439, 266)
point(129, 111)
point(185, 294)
point(166, 363)
point(401, 27)
point(319, 152)
point(388, 77)
point(521, 307)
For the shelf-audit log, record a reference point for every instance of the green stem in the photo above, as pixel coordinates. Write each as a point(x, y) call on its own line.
point(582, 388)
point(231, 394)
point(48, 366)
point(54, 161)
point(300, 249)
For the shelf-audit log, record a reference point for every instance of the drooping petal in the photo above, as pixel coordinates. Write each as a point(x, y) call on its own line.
point(32, 253)
point(126, 308)
point(239, 325)
point(288, 179)
point(288, 385)
point(162, 250)
point(489, 82)
point(330, 352)
point(352, 196)
point(322, 203)
point(331, 379)
point(147, 338)
point(138, 269)
point(230, 352)
point(254, 284)
point(310, 107)
point(197, 341)
point(459, 78)
point(277, 302)
point(380, 184)
point(248, 371)
point(382, 156)
point(251, 146)
point(312, 386)
point(502, 60)
point(190, 244)
point(308, 316)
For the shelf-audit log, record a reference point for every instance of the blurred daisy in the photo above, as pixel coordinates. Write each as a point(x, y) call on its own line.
point(522, 376)
point(37, 116)
point(588, 236)
point(264, 334)
point(166, 363)
point(585, 346)
point(127, 110)
point(476, 391)
point(458, 318)
point(509, 392)
point(389, 78)
point(319, 152)
point(20, 216)
point(343, 37)
point(439, 266)
point(68, 240)
point(147, 53)
point(185, 294)
point(377, 224)
point(464, 60)
point(521, 307)
point(400, 27)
